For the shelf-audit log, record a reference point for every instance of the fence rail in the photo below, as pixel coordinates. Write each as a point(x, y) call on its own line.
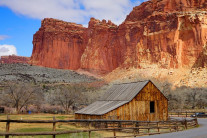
point(135, 128)
point(186, 114)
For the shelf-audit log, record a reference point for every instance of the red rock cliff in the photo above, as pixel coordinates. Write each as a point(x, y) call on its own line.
point(104, 51)
point(59, 44)
point(14, 59)
point(168, 33)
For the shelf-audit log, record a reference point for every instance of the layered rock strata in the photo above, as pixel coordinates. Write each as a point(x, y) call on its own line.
point(14, 59)
point(168, 33)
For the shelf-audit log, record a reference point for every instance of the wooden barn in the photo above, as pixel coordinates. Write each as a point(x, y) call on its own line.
point(141, 101)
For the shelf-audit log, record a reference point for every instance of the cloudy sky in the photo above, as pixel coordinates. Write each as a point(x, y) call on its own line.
point(20, 19)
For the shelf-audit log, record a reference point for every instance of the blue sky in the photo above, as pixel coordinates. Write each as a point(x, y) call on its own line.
point(20, 19)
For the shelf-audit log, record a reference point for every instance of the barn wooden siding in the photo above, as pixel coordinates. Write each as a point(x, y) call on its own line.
point(138, 108)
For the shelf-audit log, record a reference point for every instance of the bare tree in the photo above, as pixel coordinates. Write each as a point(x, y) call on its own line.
point(201, 101)
point(192, 98)
point(19, 95)
point(67, 97)
point(195, 98)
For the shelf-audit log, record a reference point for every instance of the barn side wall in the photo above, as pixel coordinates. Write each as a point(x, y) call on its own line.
point(139, 107)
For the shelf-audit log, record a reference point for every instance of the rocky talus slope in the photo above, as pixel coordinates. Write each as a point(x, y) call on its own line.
point(27, 73)
point(195, 77)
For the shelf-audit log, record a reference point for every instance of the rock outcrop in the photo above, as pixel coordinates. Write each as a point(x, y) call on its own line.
point(59, 44)
point(14, 59)
point(168, 33)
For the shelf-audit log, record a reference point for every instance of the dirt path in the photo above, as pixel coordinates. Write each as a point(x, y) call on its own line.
point(200, 132)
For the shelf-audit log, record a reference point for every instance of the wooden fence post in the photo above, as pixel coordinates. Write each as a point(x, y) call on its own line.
point(54, 126)
point(106, 124)
point(196, 122)
point(177, 128)
point(186, 124)
point(170, 126)
point(134, 124)
point(120, 125)
point(7, 126)
point(114, 130)
point(148, 127)
point(137, 125)
point(114, 133)
point(89, 134)
point(89, 127)
point(158, 127)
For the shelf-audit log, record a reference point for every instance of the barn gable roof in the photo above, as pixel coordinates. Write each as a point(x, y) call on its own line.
point(101, 107)
point(124, 91)
point(116, 96)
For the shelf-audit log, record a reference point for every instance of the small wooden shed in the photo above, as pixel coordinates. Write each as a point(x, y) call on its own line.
point(141, 101)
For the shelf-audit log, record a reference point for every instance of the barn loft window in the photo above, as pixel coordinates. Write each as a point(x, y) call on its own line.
point(152, 107)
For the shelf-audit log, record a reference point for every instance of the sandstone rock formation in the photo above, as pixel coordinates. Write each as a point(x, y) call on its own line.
point(14, 59)
point(168, 33)
point(59, 44)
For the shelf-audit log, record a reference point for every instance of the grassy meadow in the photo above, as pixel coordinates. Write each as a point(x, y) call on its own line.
point(47, 127)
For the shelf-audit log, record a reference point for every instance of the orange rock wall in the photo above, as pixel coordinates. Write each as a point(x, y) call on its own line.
point(104, 51)
point(167, 33)
point(58, 44)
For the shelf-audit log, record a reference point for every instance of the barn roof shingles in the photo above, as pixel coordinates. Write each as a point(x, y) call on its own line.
point(116, 96)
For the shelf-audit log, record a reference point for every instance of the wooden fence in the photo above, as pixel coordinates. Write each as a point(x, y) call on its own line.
point(185, 114)
point(134, 128)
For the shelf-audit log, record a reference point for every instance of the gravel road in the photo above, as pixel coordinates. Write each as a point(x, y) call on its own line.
point(200, 132)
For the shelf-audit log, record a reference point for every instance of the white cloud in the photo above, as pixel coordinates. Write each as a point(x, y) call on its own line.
point(2, 37)
point(115, 10)
point(6, 50)
point(72, 10)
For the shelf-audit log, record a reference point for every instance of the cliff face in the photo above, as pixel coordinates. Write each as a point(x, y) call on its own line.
point(103, 51)
point(14, 59)
point(168, 33)
point(59, 44)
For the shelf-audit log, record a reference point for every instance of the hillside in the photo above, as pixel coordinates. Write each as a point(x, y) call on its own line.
point(195, 77)
point(27, 73)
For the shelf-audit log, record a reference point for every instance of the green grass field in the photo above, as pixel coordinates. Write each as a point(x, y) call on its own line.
point(46, 127)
